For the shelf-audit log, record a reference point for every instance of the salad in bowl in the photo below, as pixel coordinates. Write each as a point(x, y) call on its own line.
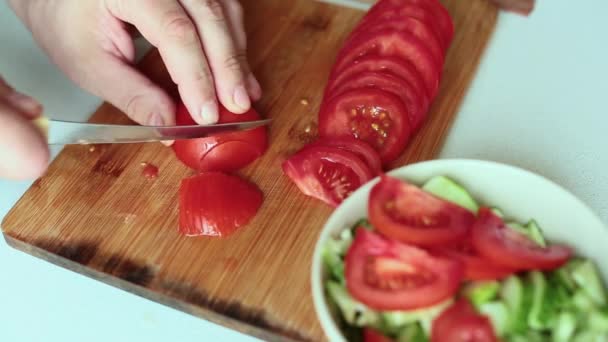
point(462, 250)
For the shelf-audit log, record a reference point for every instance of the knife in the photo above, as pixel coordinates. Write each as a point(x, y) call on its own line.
point(60, 132)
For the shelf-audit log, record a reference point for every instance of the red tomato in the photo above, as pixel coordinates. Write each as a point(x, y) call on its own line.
point(225, 151)
point(372, 335)
point(372, 115)
point(383, 64)
point(475, 266)
point(216, 204)
point(406, 213)
point(329, 174)
point(461, 323)
point(388, 83)
point(388, 275)
point(398, 44)
point(365, 152)
point(507, 247)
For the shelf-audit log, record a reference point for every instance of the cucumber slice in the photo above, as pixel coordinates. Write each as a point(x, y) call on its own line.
point(589, 336)
point(561, 295)
point(564, 327)
point(530, 336)
point(363, 223)
point(598, 320)
point(449, 190)
point(498, 314)
point(517, 295)
point(333, 253)
point(535, 233)
point(412, 333)
point(498, 212)
point(396, 320)
point(582, 302)
point(563, 276)
point(481, 292)
point(542, 313)
point(586, 276)
point(353, 312)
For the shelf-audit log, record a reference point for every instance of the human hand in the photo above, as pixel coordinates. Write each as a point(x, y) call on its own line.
point(202, 43)
point(24, 154)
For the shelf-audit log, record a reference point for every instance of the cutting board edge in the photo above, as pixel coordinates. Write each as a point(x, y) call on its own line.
point(143, 292)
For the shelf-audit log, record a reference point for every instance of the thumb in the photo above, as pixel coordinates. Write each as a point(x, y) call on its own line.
point(133, 93)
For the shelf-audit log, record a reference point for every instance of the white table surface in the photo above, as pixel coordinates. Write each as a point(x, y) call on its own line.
point(538, 101)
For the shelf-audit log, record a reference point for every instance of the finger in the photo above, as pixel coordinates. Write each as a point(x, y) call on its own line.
point(236, 20)
point(133, 93)
point(24, 152)
point(24, 104)
point(167, 26)
point(225, 59)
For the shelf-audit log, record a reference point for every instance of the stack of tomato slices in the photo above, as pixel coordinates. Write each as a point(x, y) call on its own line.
point(422, 248)
point(381, 86)
point(214, 202)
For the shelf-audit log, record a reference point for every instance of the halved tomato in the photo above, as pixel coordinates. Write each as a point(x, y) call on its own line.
point(461, 323)
point(403, 45)
point(216, 204)
point(404, 212)
point(329, 174)
point(362, 149)
point(225, 151)
point(383, 64)
point(389, 83)
point(509, 248)
point(388, 275)
point(475, 266)
point(372, 115)
point(372, 335)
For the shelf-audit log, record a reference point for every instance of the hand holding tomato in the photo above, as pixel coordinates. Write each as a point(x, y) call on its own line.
point(201, 42)
point(24, 153)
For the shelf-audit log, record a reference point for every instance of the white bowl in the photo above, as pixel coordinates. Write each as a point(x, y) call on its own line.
point(520, 194)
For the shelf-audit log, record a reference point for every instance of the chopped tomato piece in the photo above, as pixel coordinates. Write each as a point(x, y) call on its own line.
point(224, 151)
point(461, 323)
point(388, 275)
point(509, 248)
point(363, 150)
point(476, 267)
point(406, 213)
point(216, 204)
point(329, 174)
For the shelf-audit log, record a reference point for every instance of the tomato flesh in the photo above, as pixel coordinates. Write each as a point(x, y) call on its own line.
point(388, 275)
point(461, 323)
point(216, 204)
point(224, 151)
point(507, 247)
point(329, 174)
point(363, 150)
point(372, 115)
point(475, 266)
point(372, 335)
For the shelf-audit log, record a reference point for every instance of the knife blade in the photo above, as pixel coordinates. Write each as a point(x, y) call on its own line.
point(67, 132)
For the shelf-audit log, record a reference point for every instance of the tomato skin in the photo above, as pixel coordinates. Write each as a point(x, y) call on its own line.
point(224, 151)
point(362, 149)
point(329, 174)
point(216, 204)
point(387, 275)
point(504, 246)
point(372, 335)
point(406, 213)
point(461, 323)
point(476, 268)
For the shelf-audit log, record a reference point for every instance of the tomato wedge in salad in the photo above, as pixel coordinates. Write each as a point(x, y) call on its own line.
point(329, 174)
point(404, 212)
point(476, 268)
point(388, 275)
point(216, 204)
point(461, 323)
point(225, 151)
point(509, 248)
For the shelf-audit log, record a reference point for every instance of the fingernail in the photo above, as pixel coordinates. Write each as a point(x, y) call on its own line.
point(156, 120)
point(241, 98)
point(167, 142)
point(209, 113)
point(255, 90)
point(24, 102)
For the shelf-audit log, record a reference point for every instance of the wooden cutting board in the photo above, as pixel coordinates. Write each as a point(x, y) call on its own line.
point(95, 214)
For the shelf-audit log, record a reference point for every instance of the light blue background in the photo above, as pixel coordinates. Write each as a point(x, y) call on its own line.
point(539, 101)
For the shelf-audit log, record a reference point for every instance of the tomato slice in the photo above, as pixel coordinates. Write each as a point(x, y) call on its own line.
point(406, 213)
point(388, 275)
point(216, 204)
point(362, 149)
point(389, 42)
point(389, 83)
point(372, 115)
point(225, 151)
point(461, 323)
point(329, 174)
point(372, 335)
point(383, 64)
point(509, 248)
point(475, 266)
